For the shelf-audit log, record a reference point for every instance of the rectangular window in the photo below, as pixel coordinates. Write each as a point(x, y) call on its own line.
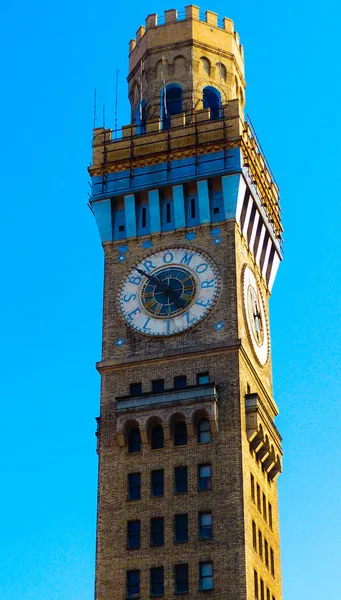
point(134, 486)
point(260, 544)
point(121, 228)
point(180, 382)
point(266, 553)
point(203, 378)
point(259, 506)
point(204, 478)
point(136, 389)
point(206, 576)
point(133, 534)
point(168, 212)
point(133, 584)
point(270, 515)
point(157, 536)
point(264, 508)
point(262, 597)
point(158, 385)
point(255, 584)
point(272, 562)
point(254, 535)
point(144, 217)
point(192, 201)
point(180, 480)
point(253, 488)
point(205, 526)
point(181, 579)
point(157, 482)
point(181, 528)
point(157, 586)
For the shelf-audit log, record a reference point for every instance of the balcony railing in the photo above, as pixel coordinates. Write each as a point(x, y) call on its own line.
point(192, 394)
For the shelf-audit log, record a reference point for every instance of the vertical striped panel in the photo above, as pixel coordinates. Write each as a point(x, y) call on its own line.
point(267, 255)
point(231, 190)
point(254, 230)
point(247, 216)
point(154, 211)
point(270, 261)
point(274, 269)
point(130, 215)
point(179, 206)
point(204, 202)
point(103, 216)
point(241, 196)
point(260, 244)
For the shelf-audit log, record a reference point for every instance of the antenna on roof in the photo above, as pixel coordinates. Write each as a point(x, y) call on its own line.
point(116, 101)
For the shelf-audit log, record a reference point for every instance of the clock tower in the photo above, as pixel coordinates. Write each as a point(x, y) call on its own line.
point(189, 217)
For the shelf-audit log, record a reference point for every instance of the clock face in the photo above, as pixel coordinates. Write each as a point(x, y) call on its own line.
point(255, 316)
point(169, 291)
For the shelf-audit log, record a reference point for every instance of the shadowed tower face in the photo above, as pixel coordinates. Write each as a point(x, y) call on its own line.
point(188, 213)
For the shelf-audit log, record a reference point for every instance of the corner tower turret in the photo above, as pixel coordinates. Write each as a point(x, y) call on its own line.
point(180, 63)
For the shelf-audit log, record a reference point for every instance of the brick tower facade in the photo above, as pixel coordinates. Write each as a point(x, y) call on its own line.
point(188, 213)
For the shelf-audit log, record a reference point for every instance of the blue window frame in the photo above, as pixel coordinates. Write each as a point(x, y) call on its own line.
point(167, 215)
point(143, 223)
point(119, 225)
point(212, 100)
point(192, 211)
point(171, 103)
point(217, 206)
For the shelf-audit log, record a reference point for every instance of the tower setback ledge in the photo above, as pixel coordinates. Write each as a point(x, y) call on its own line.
point(263, 436)
point(190, 404)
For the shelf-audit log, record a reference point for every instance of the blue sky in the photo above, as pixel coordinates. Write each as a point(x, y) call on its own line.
point(53, 54)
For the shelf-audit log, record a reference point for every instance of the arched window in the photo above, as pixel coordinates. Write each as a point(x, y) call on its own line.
point(212, 100)
point(221, 71)
point(206, 65)
point(237, 86)
point(134, 440)
point(140, 117)
point(171, 103)
point(180, 433)
point(241, 96)
point(157, 439)
point(204, 431)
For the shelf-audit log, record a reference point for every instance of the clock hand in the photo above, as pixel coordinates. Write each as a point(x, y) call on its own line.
point(151, 278)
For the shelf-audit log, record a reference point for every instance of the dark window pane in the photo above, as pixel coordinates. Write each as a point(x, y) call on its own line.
point(180, 382)
point(204, 431)
point(156, 532)
point(205, 526)
point(134, 486)
point(181, 528)
point(180, 474)
point(156, 581)
point(204, 477)
point(181, 579)
point(206, 576)
point(133, 534)
point(157, 483)
point(157, 439)
point(133, 584)
point(135, 389)
point(134, 440)
point(158, 385)
point(203, 378)
point(180, 433)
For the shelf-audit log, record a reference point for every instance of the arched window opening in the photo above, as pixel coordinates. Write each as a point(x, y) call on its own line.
point(171, 103)
point(206, 65)
point(140, 117)
point(241, 96)
point(180, 433)
point(221, 71)
point(237, 86)
point(157, 437)
point(134, 440)
point(204, 431)
point(212, 100)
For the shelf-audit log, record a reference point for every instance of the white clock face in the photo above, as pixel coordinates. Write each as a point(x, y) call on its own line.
point(169, 291)
point(255, 316)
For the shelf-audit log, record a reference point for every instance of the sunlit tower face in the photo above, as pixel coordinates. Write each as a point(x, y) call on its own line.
point(188, 213)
